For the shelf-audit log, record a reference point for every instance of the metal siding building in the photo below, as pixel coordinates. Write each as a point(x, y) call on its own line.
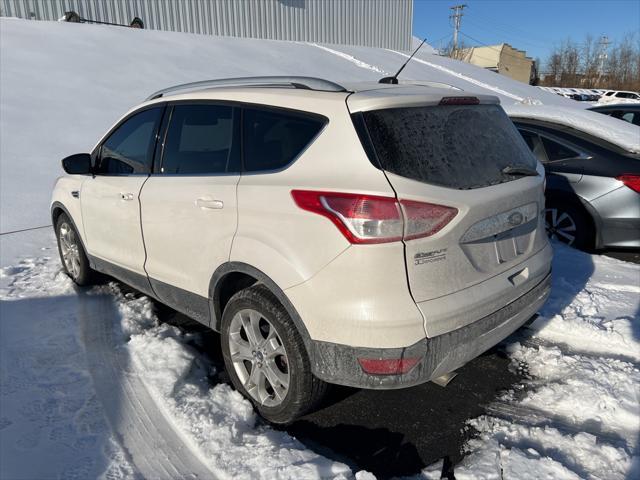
point(374, 23)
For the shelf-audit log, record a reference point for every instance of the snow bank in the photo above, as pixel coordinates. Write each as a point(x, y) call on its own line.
point(219, 423)
point(578, 415)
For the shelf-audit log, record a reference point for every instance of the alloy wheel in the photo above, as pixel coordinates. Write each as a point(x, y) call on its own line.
point(69, 249)
point(259, 357)
point(560, 226)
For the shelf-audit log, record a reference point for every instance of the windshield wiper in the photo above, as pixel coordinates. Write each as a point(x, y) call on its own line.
point(520, 170)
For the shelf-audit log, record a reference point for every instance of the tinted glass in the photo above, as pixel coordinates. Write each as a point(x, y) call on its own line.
point(528, 138)
point(129, 149)
point(456, 146)
point(632, 117)
point(200, 139)
point(273, 139)
point(557, 151)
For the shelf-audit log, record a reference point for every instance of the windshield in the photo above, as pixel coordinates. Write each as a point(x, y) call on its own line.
point(455, 146)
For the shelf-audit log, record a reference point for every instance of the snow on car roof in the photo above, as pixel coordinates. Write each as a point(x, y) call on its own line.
point(618, 132)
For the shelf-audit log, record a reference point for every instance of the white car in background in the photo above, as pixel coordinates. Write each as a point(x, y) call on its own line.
point(617, 96)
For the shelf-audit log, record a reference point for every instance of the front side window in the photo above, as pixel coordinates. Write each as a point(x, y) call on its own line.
point(201, 139)
point(273, 139)
point(129, 148)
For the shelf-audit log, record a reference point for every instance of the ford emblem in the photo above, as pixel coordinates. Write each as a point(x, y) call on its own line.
point(515, 219)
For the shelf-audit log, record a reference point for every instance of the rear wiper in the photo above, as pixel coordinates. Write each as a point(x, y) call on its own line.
point(520, 170)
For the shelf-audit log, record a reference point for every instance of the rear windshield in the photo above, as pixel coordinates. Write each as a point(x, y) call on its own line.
point(455, 146)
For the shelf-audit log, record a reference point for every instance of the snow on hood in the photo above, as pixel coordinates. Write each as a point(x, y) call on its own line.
point(618, 132)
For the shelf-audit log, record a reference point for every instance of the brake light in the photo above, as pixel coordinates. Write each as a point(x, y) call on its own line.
point(387, 366)
point(374, 219)
point(459, 101)
point(630, 180)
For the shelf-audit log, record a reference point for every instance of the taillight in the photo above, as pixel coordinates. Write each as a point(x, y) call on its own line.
point(630, 180)
point(374, 219)
point(425, 219)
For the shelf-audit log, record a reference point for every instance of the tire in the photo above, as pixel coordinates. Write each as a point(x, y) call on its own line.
point(72, 255)
point(250, 367)
point(569, 223)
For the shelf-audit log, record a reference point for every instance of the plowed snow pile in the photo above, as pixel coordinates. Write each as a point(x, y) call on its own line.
point(93, 385)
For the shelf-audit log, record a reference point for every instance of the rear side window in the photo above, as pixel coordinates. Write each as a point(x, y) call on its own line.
point(273, 139)
point(556, 151)
point(200, 140)
point(129, 148)
point(454, 146)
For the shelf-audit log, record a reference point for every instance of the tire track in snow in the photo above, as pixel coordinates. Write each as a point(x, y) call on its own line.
point(156, 449)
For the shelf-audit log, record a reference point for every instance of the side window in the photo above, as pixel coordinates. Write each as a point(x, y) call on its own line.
point(556, 151)
point(129, 149)
point(273, 139)
point(535, 145)
point(528, 138)
point(632, 117)
point(200, 140)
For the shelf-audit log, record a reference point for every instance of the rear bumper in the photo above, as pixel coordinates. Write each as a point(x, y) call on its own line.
point(620, 233)
point(619, 219)
point(444, 353)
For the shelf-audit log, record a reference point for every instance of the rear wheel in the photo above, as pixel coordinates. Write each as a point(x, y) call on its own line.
point(265, 356)
point(568, 223)
point(72, 255)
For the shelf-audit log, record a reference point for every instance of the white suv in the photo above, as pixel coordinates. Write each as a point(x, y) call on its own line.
point(374, 235)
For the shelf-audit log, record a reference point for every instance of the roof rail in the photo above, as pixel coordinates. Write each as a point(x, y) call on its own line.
point(308, 83)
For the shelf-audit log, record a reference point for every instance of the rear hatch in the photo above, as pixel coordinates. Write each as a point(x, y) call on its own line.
point(468, 157)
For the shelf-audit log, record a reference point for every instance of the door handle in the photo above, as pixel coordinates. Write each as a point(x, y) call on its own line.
point(126, 196)
point(209, 204)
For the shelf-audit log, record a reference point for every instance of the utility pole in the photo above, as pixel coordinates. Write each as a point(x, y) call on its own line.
point(602, 56)
point(456, 16)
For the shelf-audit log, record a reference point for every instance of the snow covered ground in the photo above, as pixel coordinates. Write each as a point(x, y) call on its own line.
point(92, 385)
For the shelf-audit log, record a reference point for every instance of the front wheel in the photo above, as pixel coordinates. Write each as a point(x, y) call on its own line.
point(265, 356)
point(72, 255)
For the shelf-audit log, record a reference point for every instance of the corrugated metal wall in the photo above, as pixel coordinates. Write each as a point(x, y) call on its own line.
point(375, 23)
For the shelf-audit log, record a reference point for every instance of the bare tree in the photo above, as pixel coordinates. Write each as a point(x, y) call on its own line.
point(590, 62)
point(574, 65)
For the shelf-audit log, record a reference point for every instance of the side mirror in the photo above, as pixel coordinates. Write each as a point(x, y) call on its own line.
point(78, 164)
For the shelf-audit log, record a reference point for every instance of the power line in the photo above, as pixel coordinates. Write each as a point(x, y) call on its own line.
point(492, 28)
point(25, 230)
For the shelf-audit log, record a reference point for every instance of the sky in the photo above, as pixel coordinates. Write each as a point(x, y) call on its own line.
point(535, 26)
